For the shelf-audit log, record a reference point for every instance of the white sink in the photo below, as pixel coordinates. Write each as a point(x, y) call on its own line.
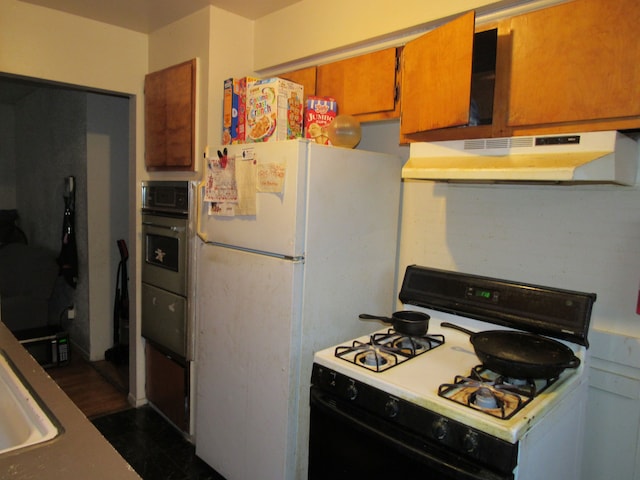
point(24, 420)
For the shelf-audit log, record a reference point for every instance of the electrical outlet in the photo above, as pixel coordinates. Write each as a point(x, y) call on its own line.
point(71, 313)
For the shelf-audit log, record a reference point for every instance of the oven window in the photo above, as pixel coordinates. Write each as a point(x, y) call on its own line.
point(356, 445)
point(162, 251)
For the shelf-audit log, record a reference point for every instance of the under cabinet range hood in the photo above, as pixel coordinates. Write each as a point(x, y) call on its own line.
point(591, 157)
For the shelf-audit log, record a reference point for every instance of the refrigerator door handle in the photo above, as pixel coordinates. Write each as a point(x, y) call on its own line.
point(199, 198)
point(289, 258)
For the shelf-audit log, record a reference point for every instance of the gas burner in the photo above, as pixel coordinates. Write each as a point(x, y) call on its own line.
point(528, 387)
point(410, 346)
point(485, 399)
point(368, 355)
point(486, 396)
point(387, 349)
point(492, 393)
point(375, 358)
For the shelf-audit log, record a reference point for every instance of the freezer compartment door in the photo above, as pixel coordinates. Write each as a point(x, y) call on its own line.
point(278, 225)
point(164, 319)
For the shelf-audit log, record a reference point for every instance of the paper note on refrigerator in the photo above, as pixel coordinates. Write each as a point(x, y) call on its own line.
point(221, 182)
point(220, 188)
point(246, 184)
point(271, 177)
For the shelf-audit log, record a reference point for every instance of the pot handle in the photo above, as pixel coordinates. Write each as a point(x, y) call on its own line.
point(366, 316)
point(457, 327)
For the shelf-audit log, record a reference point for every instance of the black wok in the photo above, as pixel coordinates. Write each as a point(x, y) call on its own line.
point(406, 322)
point(520, 354)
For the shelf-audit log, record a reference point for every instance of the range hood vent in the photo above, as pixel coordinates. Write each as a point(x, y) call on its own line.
point(592, 157)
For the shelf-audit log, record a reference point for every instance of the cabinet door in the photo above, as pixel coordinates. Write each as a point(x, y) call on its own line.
point(155, 119)
point(167, 386)
point(436, 77)
point(575, 62)
point(170, 118)
point(364, 86)
point(180, 115)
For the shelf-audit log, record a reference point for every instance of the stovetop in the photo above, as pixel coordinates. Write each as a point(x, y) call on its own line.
point(419, 378)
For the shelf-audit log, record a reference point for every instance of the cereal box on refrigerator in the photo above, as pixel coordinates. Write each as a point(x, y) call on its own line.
point(319, 113)
point(274, 110)
point(234, 106)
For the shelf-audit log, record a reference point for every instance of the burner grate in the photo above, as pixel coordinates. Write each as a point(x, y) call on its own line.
point(492, 393)
point(385, 350)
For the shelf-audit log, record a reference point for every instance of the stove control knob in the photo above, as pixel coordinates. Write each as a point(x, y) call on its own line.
point(352, 391)
point(391, 408)
point(470, 441)
point(440, 428)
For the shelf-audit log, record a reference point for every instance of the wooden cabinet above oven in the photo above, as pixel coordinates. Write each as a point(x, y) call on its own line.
point(169, 102)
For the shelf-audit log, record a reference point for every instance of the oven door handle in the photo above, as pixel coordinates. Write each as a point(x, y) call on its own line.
point(165, 227)
point(476, 472)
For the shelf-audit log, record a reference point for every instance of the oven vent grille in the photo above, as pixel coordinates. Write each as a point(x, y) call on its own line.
point(492, 143)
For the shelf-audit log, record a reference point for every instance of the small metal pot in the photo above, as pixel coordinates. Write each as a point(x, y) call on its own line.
point(406, 322)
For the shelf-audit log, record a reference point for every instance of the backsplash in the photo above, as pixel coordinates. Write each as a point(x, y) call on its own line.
point(575, 237)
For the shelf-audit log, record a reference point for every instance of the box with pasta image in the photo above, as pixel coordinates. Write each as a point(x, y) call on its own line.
point(274, 110)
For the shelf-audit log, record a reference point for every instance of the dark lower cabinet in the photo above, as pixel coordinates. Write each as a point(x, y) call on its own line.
point(167, 385)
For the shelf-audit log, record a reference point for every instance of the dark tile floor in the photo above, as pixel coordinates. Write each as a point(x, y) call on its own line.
point(154, 448)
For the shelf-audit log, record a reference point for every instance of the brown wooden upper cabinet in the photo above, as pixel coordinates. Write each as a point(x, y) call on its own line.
point(364, 86)
point(576, 63)
point(567, 68)
point(449, 82)
point(169, 96)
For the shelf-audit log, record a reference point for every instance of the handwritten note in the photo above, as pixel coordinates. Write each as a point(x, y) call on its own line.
point(271, 177)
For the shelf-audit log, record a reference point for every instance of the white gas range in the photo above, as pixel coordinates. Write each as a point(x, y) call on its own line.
point(427, 402)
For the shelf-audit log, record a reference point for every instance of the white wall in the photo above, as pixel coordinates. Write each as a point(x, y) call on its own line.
point(107, 210)
point(231, 55)
point(578, 238)
point(47, 44)
point(311, 29)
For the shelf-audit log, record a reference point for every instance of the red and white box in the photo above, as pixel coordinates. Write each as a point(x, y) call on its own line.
point(319, 113)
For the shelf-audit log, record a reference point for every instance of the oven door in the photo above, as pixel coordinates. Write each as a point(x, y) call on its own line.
point(347, 442)
point(164, 319)
point(164, 262)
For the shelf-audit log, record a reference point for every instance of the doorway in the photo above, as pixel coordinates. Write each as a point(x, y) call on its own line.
point(49, 132)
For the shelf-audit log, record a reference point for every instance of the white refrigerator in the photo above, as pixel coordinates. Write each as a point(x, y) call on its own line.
point(277, 285)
